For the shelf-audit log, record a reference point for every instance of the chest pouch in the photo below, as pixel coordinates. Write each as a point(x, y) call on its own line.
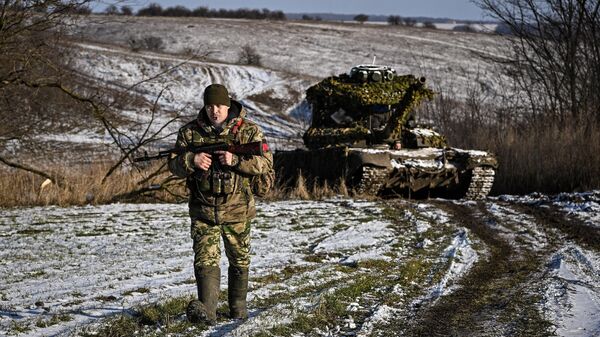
point(216, 181)
point(221, 183)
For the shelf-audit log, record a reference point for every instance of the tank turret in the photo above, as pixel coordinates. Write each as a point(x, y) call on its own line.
point(370, 105)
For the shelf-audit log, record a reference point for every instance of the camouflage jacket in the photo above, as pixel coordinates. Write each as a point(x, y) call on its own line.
point(234, 202)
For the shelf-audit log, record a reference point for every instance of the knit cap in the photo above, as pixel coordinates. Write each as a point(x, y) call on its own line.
point(216, 94)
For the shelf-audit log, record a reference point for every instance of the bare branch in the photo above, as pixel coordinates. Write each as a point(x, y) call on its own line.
point(55, 178)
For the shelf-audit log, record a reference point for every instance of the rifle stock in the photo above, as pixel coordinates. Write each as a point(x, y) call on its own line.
point(254, 148)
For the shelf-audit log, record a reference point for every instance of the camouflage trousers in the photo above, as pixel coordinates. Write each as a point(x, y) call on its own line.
point(207, 239)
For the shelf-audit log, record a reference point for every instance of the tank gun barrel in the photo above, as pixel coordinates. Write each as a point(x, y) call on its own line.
point(403, 110)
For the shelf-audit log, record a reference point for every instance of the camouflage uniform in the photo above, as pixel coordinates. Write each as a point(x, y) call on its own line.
point(220, 208)
point(209, 211)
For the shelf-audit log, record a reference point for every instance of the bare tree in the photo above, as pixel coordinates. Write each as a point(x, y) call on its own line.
point(556, 54)
point(40, 92)
point(126, 10)
point(31, 71)
point(111, 10)
point(394, 20)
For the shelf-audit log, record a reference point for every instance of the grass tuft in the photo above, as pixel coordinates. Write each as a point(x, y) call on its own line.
point(169, 316)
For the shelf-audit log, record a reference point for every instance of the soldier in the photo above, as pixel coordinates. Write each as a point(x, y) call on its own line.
point(221, 203)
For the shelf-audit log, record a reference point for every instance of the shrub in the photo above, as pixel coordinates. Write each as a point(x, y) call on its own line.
point(177, 11)
point(464, 28)
point(361, 18)
point(153, 9)
point(410, 22)
point(429, 24)
point(153, 43)
point(249, 56)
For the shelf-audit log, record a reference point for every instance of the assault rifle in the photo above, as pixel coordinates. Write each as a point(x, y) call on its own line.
point(255, 148)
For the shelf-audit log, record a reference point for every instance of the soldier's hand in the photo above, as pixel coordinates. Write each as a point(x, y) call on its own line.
point(203, 160)
point(225, 157)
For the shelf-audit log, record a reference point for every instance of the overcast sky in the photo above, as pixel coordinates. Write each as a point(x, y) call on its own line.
point(455, 9)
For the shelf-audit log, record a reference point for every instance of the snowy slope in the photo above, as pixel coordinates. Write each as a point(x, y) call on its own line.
point(448, 59)
point(177, 83)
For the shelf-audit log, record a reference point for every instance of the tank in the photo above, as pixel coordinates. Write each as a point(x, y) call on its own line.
point(364, 133)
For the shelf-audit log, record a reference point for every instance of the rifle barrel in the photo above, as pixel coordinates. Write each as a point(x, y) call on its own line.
point(254, 148)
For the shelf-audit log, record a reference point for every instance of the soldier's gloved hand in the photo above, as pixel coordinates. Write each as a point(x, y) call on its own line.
point(225, 157)
point(203, 161)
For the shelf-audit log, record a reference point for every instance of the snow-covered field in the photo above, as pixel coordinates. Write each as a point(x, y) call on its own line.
point(65, 270)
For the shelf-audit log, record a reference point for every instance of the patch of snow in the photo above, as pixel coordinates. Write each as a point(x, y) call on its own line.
point(424, 132)
point(382, 314)
point(368, 240)
point(523, 228)
point(180, 81)
point(473, 153)
point(462, 257)
point(572, 297)
point(419, 163)
point(427, 152)
point(82, 137)
point(427, 215)
point(585, 206)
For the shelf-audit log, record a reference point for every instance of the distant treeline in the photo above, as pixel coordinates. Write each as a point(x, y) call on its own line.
point(155, 9)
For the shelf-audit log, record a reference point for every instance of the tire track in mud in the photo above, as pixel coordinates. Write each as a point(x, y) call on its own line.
point(573, 229)
point(497, 297)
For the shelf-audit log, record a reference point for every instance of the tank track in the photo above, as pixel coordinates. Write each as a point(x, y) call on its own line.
point(482, 179)
point(371, 180)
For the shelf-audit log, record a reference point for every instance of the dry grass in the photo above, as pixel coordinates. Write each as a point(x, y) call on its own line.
point(83, 186)
point(301, 191)
point(535, 153)
point(547, 159)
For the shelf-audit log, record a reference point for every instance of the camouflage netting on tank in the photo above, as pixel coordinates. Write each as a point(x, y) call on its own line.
point(333, 93)
point(318, 137)
point(353, 102)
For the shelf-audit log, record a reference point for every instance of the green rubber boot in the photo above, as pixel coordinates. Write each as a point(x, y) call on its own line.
point(208, 280)
point(238, 289)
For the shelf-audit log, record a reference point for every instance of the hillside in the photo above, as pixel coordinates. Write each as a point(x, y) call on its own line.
point(189, 53)
point(194, 52)
point(315, 49)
